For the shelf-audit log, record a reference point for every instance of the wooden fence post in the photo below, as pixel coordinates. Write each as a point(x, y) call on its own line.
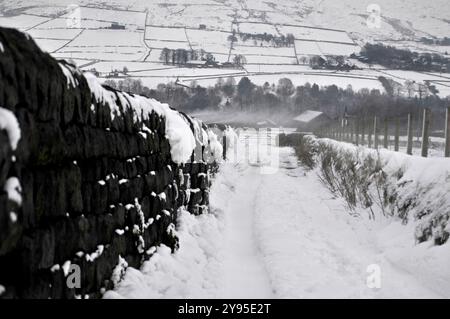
point(224, 144)
point(352, 131)
point(386, 134)
point(375, 133)
point(363, 122)
point(425, 131)
point(357, 131)
point(447, 132)
point(397, 135)
point(347, 134)
point(409, 145)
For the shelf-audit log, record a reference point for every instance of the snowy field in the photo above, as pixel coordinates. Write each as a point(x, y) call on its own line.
point(103, 36)
point(283, 235)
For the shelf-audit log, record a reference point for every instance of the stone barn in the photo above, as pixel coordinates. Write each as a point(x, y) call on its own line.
point(309, 121)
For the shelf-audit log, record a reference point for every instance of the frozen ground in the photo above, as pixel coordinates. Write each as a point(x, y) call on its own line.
point(283, 235)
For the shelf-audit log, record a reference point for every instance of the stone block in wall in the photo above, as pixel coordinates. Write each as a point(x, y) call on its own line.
point(195, 198)
point(146, 207)
point(67, 236)
point(28, 140)
point(37, 252)
point(73, 182)
point(117, 124)
point(182, 198)
point(205, 198)
point(186, 182)
point(131, 169)
point(117, 167)
point(132, 146)
point(141, 165)
point(164, 148)
point(104, 265)
point(154, 121)
point(105, 228)
point(39, 287)
point(5, 157)
point(155, 143)
point(136, 189)
point(94, 142)
point(50, 146)
point(202, 181)
point(151, 162)
point(28, 216)
point(45, 111)
point(118, 214)
point(160, 182)
point(10, 231)
point(119, 244)
point(75, 141)
point(110, 147)
point(128, 119)
point(149, 183)
point(121, 146)
point(143, 144)
point(113, 190)
point(49, 193)
point(194, 181)
point(99, 200)
point(82, 113)
point(156, 205)
point(86, 191)
point(103, 116)
point(87, 236)
point(132, 217)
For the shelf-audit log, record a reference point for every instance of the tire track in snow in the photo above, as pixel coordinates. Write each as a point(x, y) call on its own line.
point(244, 273)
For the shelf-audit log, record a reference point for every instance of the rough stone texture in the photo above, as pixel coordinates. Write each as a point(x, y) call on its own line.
point(87, 180)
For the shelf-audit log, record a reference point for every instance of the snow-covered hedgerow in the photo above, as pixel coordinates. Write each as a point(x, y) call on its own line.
point(411, 188)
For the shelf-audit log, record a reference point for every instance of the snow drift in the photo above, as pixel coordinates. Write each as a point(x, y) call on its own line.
point(410, 188)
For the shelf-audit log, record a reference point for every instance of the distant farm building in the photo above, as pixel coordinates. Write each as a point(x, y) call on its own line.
point(116, 26)
point(309, 121)
point(202, 26)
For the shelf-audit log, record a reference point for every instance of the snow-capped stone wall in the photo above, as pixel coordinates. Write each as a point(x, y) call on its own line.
point(89, 176)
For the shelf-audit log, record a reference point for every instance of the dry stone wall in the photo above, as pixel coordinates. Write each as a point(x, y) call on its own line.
point(82, 187)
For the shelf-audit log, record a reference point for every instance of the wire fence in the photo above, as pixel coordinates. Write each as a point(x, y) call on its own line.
point(400, 134)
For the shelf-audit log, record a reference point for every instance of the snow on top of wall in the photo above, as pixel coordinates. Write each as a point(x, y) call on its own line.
point(8, 122)
point(68, 73)
point(216, 147)
point(13, 189)
point(178, 132)
point(200, 134)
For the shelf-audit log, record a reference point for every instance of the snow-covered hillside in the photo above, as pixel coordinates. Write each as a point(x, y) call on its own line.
point(399, 18)
point(109, 37)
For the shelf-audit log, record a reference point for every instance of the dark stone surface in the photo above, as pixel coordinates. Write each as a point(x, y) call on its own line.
point(78, 169)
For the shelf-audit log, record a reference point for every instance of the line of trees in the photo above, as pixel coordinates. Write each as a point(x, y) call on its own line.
point(183, 56)
point(278, 41)
point(283, 97)
point(445, 41)
point(403, 59)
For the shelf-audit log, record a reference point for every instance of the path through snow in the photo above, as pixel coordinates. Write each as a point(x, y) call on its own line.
point(283, 235)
